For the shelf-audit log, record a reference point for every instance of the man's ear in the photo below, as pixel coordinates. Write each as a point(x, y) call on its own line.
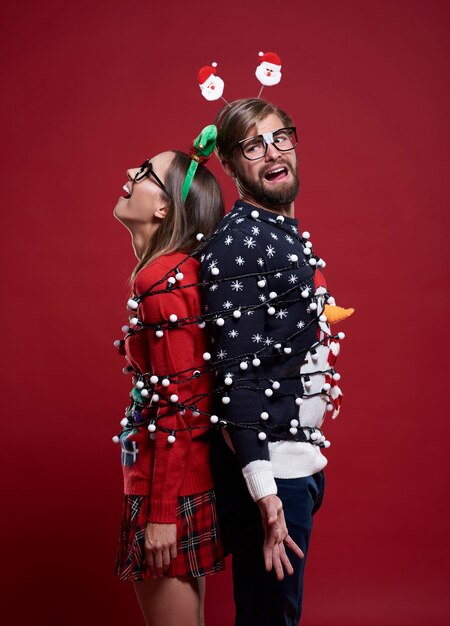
point(228, 166)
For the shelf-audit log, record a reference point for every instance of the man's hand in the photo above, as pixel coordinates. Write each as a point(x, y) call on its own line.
point(276, 537)
point(160, 547)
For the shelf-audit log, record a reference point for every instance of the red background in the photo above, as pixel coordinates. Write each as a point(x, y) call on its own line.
point(91, 88)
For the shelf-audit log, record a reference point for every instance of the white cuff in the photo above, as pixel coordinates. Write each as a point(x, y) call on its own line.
point(259, 478)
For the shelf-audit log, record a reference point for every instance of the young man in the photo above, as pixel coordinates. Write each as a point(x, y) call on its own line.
point(273, 353)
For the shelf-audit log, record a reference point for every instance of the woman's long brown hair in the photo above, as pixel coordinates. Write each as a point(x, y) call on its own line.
point(200, 213)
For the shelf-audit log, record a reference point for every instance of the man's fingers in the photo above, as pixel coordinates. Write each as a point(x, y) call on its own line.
point(290, 543)
point(277, 565)
point(285, 562)
point(267, 551)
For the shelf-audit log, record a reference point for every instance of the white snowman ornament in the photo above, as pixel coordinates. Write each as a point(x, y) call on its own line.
point(210, 84)
point(268, 71)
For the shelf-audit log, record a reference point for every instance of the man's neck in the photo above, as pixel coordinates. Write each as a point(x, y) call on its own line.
point(285, 209)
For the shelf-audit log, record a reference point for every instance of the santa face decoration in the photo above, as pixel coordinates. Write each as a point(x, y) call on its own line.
point(212, 88)
point(268, 73)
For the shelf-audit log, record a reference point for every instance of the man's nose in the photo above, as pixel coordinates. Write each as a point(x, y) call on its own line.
point(272, 152)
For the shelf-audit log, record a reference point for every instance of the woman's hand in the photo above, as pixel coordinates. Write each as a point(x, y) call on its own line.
point(160, 547)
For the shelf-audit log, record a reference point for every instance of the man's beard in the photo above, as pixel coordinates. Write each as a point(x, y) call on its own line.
point(284, 194)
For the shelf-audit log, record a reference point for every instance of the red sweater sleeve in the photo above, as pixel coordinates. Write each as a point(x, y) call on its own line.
point(168, 356)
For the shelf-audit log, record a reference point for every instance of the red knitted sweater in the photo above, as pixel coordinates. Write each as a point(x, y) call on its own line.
point(157, 468)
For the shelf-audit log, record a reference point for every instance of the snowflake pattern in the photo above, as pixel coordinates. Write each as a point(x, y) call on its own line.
point(268, 341)
point(277, 275)
point(250, 312)
point(293, 279)
point(272, 220)
point(213, 287)
point(294, 229)
point(237, 285)
point(222, 354)
point(228, 240)
point(239, 260)
point(281, 314)
point(233, 334)
point(239, 220)
point(289, 239)
point(270, 250)
point(274, 236)
point(249, 242)
point(208, 256)
point(212, 264)
point(300, 324)
point(262, 297)
point(260, 261)
point(255, 230)
point(257, 338)
point(227, 305)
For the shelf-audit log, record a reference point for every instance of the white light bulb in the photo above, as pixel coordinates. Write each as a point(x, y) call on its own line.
point(206, 356)
point(132, 304)
point(268, 392)
point(154, 379)
point(237, 314)
point(243, 365)
point(305, 234)
point(116, 439)
point(261, 283)
point(174, 397)
point(271, 310)
point(254, 215)
point(124, 422)
point(262, 436)
point(256, 362)
point(171, 439)
point(220, 321)
point(200, 236)
point(159, 333)
point(226, 400)
point(179, 276)
point(298, 401)
point(173, 318)
point(215, 271)
point(152, 427)
point(264, 416)
point(214, 419)
point(165, 382)
point(228, 381)
point(294, 258)
point(275, 384)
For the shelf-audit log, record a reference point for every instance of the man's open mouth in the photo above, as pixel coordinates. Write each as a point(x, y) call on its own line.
point(276, 174)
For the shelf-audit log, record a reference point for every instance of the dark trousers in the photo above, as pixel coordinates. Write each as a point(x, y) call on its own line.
point(260, 599)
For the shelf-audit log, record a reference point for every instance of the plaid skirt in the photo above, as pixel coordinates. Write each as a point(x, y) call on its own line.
point(199, 549)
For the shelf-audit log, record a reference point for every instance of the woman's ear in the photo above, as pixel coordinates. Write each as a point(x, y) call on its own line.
point(161, 212)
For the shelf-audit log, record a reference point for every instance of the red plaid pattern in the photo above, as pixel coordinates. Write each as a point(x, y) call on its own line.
point(199, 549)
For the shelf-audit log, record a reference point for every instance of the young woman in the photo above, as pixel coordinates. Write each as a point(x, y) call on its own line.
point(169, 535)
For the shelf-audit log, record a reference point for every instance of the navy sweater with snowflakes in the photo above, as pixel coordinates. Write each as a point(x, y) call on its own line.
point(263, 297)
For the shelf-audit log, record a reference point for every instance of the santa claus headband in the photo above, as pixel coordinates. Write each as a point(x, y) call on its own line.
point(268, 72)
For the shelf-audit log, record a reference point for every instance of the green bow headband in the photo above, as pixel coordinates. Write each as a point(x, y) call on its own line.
point(199, 153)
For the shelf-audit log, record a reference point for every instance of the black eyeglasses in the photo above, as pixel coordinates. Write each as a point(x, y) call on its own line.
point(146, 170)
point(255, 148)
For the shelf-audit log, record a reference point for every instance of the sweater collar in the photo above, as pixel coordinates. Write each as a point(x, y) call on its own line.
point(247, 208)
